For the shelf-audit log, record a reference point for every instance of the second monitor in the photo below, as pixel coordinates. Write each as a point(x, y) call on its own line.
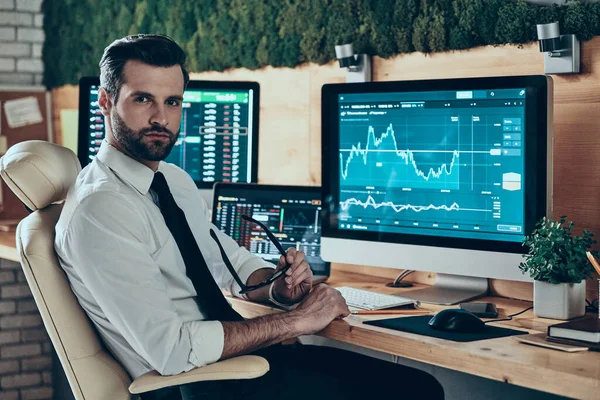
point(218, 139)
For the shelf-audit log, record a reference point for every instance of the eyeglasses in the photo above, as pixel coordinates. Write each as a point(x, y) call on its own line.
point(236, 277)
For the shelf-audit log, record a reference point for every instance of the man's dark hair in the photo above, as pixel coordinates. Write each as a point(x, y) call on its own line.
point(157, 50)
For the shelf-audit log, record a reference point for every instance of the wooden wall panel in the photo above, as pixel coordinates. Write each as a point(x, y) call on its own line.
point(284, 121)
point(320, 75)
point(66, 97)
point(290, 136)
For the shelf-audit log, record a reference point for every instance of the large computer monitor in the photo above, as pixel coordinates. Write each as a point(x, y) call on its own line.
point(218, 139)
point(292, 213)
point(446, 176)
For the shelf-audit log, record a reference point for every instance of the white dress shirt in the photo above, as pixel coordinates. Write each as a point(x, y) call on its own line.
point(126, 270)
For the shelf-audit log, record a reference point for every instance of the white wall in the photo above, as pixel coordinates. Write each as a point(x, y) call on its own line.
point(21, 40)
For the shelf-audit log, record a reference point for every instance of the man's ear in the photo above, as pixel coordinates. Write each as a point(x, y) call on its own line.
point(104, 102)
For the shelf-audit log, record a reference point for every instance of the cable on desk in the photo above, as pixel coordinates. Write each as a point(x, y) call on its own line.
point(590, 307)
point(397, 282)
point(510, 317)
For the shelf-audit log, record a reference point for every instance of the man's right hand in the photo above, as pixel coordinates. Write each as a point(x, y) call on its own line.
point(321, 306)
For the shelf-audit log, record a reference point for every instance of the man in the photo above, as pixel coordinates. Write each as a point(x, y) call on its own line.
point(134, 239)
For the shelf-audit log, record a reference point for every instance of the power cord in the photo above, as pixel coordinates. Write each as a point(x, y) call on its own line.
point(590, 308)
point(510, 317)
point(397, 282)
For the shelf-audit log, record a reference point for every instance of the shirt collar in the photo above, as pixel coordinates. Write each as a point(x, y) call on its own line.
point(133, 172)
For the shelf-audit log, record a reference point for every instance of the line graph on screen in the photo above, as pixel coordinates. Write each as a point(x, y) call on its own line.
point(380, 161)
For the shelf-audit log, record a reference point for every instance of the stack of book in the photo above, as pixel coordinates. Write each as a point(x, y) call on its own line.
point(583, 331)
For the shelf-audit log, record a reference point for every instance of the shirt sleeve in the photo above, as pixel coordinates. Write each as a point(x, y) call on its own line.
point(244, 262)
point(106, 242)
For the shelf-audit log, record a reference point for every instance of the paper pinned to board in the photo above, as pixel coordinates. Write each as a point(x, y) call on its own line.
point(23, 111)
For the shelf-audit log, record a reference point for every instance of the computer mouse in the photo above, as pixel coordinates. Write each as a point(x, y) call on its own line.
point(456, 320)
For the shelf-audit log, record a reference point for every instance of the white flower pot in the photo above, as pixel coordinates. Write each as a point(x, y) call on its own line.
point(558, 301)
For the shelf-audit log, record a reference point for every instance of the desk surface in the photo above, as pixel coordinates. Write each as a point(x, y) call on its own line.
point(504, 359)
point(568, 374)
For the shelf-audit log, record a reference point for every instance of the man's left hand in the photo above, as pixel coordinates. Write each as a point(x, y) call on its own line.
point(297, 281)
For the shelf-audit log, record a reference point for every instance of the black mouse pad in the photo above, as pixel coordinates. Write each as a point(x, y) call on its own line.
point(419, 325)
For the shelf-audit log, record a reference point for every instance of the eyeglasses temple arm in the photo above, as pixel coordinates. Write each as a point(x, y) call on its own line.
point(269, 234)
point(236, 277)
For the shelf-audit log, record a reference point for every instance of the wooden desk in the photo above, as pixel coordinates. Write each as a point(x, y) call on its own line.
point(504, 359)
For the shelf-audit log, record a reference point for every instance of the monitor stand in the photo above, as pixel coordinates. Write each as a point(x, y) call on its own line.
point(450, 289)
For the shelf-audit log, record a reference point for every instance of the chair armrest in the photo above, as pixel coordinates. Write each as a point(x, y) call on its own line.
point(242, 367)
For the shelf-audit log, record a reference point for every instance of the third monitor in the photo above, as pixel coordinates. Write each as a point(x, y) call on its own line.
point(445, 176)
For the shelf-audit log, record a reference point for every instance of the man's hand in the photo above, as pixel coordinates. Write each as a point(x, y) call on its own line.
point(297, 281)
point(319, 308)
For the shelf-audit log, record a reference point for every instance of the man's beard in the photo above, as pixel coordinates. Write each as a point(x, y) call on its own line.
point(133, 141)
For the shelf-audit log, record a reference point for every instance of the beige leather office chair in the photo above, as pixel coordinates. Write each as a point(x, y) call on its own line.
point(40, 174)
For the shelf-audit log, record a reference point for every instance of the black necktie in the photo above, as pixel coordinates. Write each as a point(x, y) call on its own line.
point(209, 296)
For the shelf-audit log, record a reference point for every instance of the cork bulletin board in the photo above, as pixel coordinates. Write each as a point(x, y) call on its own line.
point(24, 115)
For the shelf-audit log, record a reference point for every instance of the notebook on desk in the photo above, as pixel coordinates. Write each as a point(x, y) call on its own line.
point(586, 329)
point(541, 340)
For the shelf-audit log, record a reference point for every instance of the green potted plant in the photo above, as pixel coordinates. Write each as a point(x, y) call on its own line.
point(558, 264)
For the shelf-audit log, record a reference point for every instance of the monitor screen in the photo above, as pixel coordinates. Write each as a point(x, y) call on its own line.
point(218, 138)
point(435, 162)
point(292, 213)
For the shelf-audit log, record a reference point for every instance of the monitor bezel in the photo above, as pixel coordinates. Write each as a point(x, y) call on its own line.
point(535, 183)
point(218, 186)
point(84, 99)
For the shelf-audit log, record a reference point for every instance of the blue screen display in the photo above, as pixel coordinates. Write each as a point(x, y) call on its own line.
point(444, 163)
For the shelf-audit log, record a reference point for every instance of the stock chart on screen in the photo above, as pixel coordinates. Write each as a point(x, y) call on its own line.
point(444, 163)
point(213, 144)
point(291, 213)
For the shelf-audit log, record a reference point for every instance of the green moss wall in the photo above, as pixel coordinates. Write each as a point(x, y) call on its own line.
point(221, 34)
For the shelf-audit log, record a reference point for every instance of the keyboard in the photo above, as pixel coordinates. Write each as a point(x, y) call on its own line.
point(368, 300)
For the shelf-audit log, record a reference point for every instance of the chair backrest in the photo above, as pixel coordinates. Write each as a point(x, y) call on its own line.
point(40, 174)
